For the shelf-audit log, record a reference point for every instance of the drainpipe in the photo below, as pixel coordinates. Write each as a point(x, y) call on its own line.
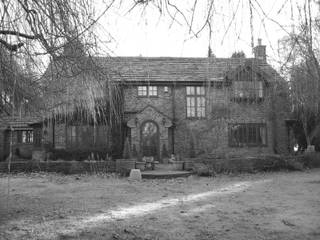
point(173, 114)
point(53, 132)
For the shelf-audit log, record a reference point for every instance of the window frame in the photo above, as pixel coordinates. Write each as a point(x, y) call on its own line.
point(197, 97)
point(149, 89)
point(256, 90)
point(249, 129)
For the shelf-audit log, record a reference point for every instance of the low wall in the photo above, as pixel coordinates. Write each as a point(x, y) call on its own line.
point(66, 167)
point(210, 165)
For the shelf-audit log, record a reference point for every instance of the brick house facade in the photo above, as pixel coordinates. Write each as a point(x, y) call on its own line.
point(215, 116)
point(224, 106)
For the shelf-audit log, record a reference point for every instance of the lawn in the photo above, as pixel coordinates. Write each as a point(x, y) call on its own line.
point(282, 205)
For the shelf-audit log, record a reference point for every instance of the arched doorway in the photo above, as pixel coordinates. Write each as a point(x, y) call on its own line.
point(150, 139)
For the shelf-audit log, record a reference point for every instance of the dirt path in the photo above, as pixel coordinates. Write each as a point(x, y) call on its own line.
point(259, 206)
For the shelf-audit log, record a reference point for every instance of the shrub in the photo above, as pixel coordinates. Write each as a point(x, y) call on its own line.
point(309, 160)
point(203, 169)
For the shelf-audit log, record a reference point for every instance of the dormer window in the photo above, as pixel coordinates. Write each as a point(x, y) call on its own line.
point(248, 90)
point(147, 91)
point(248, 84)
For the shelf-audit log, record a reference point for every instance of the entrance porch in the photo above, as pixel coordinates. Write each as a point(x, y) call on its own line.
point(149, 133)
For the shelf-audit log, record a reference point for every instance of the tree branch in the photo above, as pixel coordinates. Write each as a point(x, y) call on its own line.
point(11, 47)
point(18, 34)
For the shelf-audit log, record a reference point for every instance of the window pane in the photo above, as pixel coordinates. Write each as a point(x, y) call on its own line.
point(201, 106)
point(24, 136)
point(190, 90)
point(30, 136)
point(191, 107)
point(200, 91)
point(142, 90)
point(260, 87)
point(153, 91)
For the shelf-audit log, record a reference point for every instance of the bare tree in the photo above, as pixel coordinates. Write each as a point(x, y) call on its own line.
point(301, 63)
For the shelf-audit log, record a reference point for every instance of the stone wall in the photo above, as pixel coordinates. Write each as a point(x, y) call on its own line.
point(211, 133)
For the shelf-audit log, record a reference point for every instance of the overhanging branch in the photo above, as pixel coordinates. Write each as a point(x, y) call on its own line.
point(11, 47)
point(18, 34)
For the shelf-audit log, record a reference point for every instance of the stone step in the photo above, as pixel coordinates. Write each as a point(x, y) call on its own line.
point(178, 166)
point(158, 174)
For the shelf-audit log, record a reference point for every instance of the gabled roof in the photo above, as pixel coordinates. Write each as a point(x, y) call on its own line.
point(155, 109)
point(173, 69)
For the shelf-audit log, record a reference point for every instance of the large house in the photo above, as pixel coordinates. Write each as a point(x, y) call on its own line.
point(225, 106)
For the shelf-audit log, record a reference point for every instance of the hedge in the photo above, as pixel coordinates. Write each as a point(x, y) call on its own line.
point(209, 166)
point(66, 167)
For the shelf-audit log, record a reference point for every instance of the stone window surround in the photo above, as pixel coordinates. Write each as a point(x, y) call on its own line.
point(147, 91)
point(196, 93)
point(259, 130)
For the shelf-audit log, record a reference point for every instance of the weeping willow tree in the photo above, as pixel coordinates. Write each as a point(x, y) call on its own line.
point(19, 91)
point(52, 31)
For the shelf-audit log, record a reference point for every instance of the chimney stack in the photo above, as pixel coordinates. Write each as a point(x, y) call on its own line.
point(260, 51)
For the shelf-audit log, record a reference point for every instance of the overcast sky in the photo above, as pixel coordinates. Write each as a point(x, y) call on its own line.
point(138, 33)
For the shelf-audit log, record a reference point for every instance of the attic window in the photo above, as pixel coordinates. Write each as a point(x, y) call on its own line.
point(248, 90)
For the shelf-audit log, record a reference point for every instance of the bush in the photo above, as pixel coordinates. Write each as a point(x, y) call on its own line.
point(203, 169)
point(309, 160)
point(209, 165)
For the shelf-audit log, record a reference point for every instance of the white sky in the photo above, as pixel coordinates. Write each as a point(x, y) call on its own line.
point(151, 34)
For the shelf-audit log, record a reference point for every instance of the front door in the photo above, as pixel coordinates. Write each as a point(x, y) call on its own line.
point(150, 139)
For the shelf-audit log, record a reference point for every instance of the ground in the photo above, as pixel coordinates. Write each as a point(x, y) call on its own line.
point(282, 205)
